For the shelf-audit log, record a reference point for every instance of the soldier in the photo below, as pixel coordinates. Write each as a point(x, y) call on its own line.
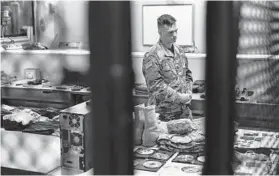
point(168, 78)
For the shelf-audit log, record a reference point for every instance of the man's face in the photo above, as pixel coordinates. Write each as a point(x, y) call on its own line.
point(168, 34)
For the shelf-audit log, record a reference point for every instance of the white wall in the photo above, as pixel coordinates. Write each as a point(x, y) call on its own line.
point(196, 64)
point(199, 23)
point(68, 22)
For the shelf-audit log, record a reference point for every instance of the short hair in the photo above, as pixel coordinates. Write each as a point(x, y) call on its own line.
point(165, 19)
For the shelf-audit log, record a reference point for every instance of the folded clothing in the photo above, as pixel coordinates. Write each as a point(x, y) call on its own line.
point(19, 119)
point(192, 142)
point(45, 127)
point(180, 126)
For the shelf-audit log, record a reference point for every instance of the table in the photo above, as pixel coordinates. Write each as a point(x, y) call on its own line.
point(268, 141)
point(41, 96)
point(29, 152)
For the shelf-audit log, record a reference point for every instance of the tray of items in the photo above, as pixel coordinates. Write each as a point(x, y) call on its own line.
point(150, 159)
point(180, 169)
point(256, 139)
point(252, 161)
point(190, 158)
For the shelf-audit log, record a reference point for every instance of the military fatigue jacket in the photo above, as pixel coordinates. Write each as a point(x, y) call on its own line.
point(166, 74)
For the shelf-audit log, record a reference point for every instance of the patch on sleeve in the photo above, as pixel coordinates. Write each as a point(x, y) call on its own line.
point(148, 65)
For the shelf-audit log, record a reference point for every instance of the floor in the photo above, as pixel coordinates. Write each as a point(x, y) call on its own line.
point(9, 171)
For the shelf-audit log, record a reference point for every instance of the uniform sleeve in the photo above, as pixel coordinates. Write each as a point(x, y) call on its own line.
point(189, 77)
point(155, 81)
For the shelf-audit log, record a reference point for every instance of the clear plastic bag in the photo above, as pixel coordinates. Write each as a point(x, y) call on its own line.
point(151, 131)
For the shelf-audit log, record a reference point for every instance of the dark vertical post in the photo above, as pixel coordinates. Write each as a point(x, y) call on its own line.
point(112, 77)
point(222, 38)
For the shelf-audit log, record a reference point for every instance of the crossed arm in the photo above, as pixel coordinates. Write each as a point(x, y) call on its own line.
point(158, 87)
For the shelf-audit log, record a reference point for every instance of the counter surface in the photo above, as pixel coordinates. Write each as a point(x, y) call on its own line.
point(19, 85)
point(30, 152)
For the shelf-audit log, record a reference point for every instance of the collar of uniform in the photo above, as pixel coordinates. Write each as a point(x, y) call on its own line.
point(167, 52)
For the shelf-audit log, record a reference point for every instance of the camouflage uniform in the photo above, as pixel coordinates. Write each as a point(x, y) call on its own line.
point(166, 75)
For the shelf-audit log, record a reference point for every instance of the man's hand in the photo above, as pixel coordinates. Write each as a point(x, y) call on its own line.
point(185, 98)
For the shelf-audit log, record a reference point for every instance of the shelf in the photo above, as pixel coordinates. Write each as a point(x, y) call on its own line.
point(203, 56)
point(134, 54)
point(58, 51)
